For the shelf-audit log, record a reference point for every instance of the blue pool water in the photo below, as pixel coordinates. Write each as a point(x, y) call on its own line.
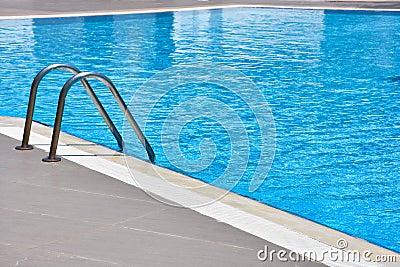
point(331, 79)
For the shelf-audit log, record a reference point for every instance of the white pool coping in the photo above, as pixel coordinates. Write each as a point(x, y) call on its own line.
point(208, 7)
point(287, 230)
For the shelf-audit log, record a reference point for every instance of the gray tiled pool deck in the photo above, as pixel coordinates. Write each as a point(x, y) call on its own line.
point(46, 7)
point(64, 214)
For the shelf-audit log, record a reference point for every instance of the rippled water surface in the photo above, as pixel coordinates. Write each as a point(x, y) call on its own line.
point(331, 79)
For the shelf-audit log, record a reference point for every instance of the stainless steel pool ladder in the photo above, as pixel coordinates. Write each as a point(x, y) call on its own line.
point(82, 77)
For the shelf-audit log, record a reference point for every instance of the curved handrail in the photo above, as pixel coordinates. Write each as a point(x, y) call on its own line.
point(60, 109)
point(32, 100)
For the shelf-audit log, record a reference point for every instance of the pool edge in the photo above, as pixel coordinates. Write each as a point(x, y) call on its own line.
point(277, 226)
point(315, 6)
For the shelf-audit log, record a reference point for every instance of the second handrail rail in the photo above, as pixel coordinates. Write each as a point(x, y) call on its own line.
point(60, 109)
point(32, 99)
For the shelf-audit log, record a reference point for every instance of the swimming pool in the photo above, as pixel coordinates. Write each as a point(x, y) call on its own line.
point(331, 79)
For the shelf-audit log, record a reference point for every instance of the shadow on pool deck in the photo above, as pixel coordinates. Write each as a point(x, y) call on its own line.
point(66, 215)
